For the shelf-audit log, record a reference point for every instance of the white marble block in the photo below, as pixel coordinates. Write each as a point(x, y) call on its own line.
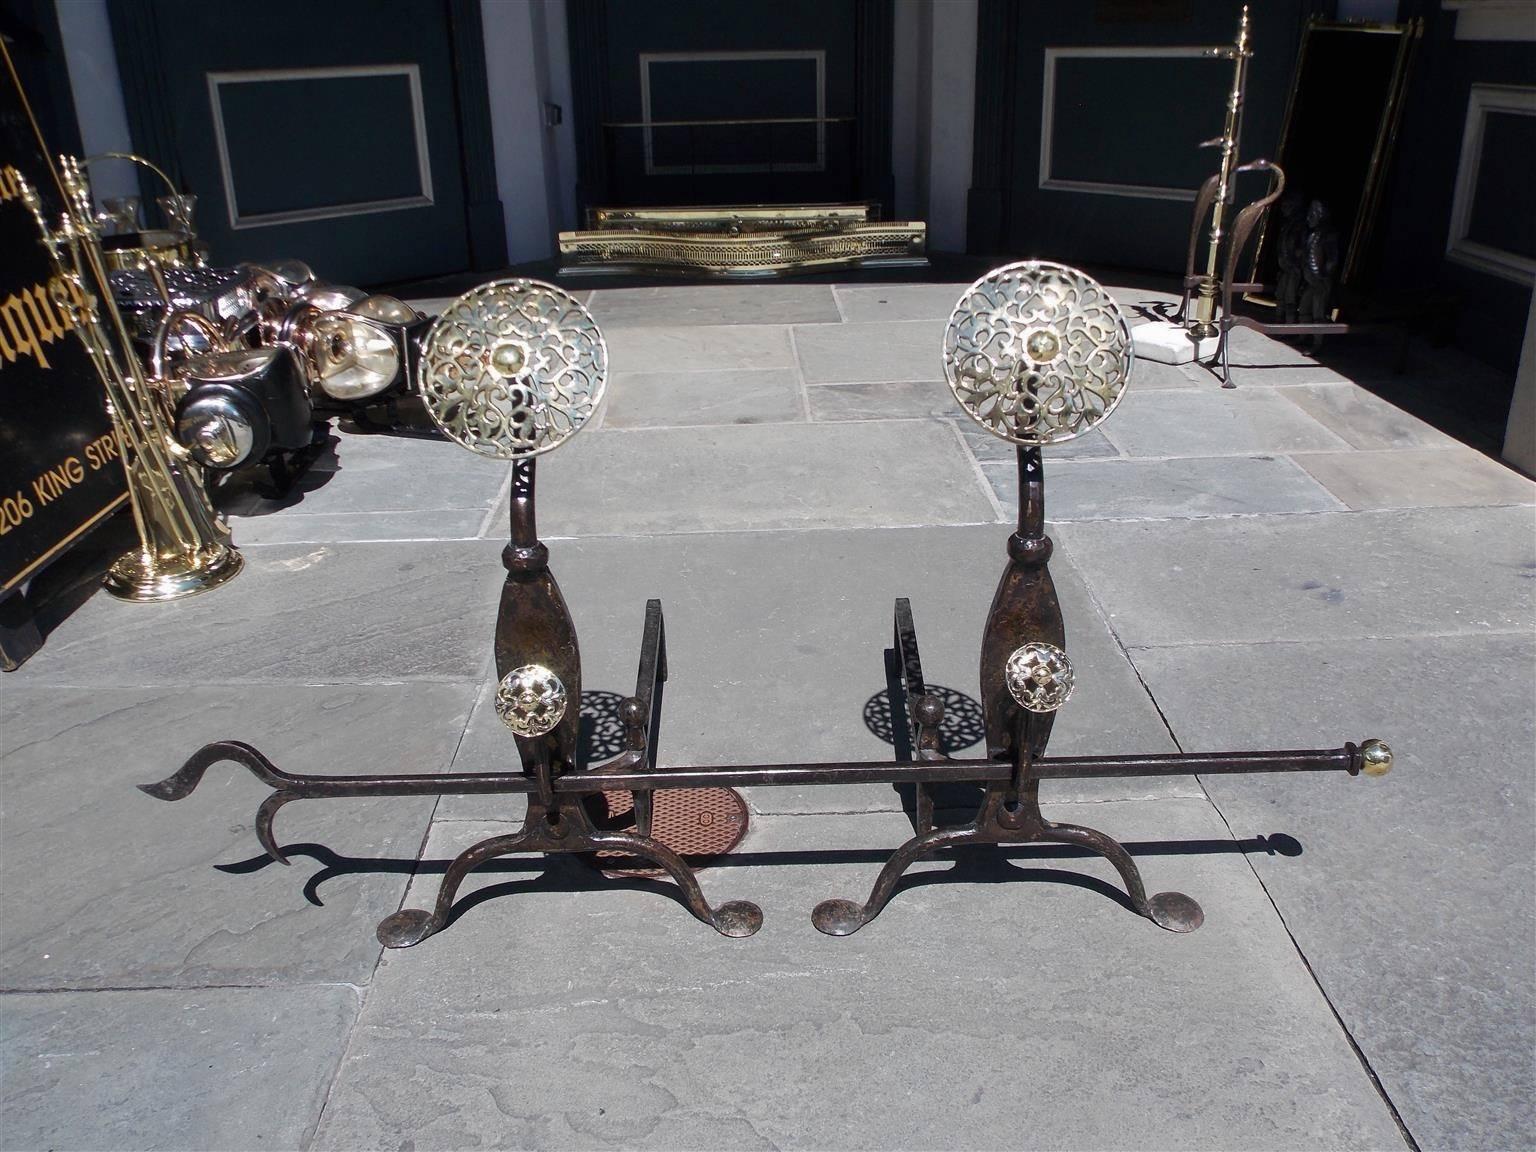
point(1169, 343)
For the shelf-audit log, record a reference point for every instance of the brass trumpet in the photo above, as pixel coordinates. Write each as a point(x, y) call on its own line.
point(184, 545)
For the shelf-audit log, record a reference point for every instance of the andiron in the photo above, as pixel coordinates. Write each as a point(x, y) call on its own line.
point(1036, 353)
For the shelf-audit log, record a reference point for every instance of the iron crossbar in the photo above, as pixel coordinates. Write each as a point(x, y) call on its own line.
point(957, 771)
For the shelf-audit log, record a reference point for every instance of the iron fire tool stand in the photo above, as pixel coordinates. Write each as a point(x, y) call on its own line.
point(1053, 345)
point(1198, 309)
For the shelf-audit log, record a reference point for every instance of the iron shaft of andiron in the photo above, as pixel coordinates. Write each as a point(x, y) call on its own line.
point(1346, 759)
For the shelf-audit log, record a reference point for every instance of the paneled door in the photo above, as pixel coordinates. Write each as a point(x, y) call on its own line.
point(329, 131)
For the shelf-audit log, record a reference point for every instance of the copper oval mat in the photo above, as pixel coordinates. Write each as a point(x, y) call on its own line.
point(699, 824)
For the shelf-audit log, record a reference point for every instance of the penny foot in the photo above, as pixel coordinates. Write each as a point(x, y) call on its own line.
point(404, 928)
point(737, 918)
point(839, 917)
point(1175, 912)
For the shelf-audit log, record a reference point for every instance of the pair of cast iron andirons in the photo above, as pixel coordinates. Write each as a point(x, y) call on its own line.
point(1036, 353)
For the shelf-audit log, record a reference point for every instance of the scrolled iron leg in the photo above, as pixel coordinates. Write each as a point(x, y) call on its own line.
point(413, 925)
point(1171, 910)
point(844, 917)
point(736, 918)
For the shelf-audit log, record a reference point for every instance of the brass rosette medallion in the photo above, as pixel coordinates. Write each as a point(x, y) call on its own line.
point(1039, 677)
point(513, 368)
point(530, 700)
point(1037, 353)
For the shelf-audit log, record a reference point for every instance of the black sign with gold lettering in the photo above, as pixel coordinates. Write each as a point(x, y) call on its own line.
point(59, 466)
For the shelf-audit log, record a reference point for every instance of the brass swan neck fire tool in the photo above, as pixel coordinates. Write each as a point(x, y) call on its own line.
point(1036, 353)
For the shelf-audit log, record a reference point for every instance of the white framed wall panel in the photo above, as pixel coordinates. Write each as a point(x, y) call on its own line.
point(218, 81)
point(649, 60)
point(1460, 247)
point(1048, 121)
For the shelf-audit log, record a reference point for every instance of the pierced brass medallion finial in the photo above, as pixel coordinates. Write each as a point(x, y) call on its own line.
point(1037, 353)
point(530, 700)
point(513, 368)
point(1039, 677)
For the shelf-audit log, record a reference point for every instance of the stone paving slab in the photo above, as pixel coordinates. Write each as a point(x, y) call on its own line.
point(700, 348)
point(1141, 305)
point(315, 613)
point(1382, 366)
point(1158, 489)
point(1323, 577)
point(749, 477)
point(873, 302)
point(684, 399)
point(1418, 478)
point(1261, 361)
point(365, 527)
point(373, 487)
point(1364, 420)
point(1252, 347)
point(170, 1069)
point(852, 353)
point(487, 746)
point(1150, 376)
point(1090, 445)
point(568, 1012)
point(1286, 373)
point(1436, 382)
point(1206, 423)
point(107, 887)
point(882, 401)
point(860, 303)
point(691, 304)
point(386, 473)
point(1413, 898)
point(776, 644)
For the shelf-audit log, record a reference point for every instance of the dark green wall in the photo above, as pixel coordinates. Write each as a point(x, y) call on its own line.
point(1417, 211)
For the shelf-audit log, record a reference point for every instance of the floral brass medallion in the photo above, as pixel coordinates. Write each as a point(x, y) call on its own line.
point(530, 700)
point(1039, 676)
